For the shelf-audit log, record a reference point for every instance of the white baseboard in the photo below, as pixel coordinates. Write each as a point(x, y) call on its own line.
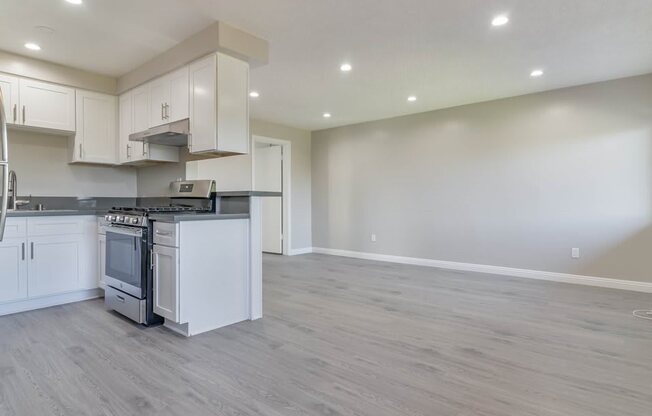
point(48, 301)
point(496, 270)
point(297, 251)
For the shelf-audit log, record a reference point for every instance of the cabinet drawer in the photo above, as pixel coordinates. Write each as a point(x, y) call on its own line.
point(16, 228)
point(125, 304)
point(166, 234)
point(64, 225)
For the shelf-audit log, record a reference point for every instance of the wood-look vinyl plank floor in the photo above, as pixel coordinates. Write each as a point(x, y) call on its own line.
point(351, 337)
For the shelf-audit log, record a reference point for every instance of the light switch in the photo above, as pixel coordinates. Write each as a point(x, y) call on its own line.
point(575, 253)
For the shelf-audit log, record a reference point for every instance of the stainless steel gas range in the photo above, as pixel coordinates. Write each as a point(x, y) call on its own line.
point(128, 272)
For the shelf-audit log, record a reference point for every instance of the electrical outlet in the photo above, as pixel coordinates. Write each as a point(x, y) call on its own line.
point(575, 253)
point(373, 238)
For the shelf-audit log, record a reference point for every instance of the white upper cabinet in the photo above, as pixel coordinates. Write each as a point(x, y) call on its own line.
point(96, 137)
point(9, 88)
point(168, 98)
point(134, 117)
point(125, 127)
point(219, 105)
point(46, 106)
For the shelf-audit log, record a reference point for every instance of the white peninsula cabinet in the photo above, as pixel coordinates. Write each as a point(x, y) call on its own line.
point(201, 274)
point(95, 140)
point(219, 105)
point(47, 261)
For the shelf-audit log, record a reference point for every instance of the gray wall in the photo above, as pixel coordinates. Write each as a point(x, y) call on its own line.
point(41, 163)
point(515, 182)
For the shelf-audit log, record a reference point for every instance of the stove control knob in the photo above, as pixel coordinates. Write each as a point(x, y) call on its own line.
point(112, 217)
point(134, 220)
point(120, 218)
point(107, 217)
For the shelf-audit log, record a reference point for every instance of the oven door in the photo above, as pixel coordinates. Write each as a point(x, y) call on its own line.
point(126, 259)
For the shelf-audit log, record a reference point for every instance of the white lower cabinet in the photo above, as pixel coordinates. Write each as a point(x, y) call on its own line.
point(166, 282)
point(54, 263)
point(13, 272)
point(45, 257)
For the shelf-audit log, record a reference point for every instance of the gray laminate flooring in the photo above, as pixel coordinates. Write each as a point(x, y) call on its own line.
point(346, 337)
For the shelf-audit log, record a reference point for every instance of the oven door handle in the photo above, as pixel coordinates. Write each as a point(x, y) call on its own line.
point(135, 232)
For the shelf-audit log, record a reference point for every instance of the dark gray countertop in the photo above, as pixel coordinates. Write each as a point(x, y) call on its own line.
point(248, 193)
point(55, 212)
point(196, 217)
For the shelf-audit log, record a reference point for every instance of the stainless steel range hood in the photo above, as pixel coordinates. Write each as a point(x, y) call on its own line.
point(171, 134)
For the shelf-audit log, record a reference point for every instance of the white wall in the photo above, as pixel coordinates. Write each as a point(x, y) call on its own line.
point(41, 164)
point(515, 182)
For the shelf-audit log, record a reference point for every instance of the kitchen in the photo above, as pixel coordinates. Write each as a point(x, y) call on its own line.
point(70, 249)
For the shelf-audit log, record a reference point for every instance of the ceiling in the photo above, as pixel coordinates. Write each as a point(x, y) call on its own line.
point(445, 52)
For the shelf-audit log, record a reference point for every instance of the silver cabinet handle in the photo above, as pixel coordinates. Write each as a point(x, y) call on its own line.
point(80, 151)
point(128, 151)
point(167, 110)
point(23, 250)
point(120, 298)
point(145, 145)
point(163, 233)
point(23, 114)
point(15, 112)
point(151, 260)
point(162, 111)
point(32, 250)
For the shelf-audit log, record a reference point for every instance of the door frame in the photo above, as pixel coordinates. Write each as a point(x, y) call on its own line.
point(286, 163)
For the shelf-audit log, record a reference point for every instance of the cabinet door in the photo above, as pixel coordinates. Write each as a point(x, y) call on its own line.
point(232, 104)
point(203, 105)
point(101, 259)
point(95, 138)
point(140, 120)
point(9, 89)
point(159, 95)
point(46, 105)
point(53, 265)
point(166, 282)
point(177, 105)
point(125, 115)
point(13, 272)
point(219, 105)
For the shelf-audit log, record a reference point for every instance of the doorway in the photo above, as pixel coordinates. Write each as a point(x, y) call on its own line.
point(271, 172)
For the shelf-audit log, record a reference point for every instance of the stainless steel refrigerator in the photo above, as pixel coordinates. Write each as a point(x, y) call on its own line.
point(4, 167)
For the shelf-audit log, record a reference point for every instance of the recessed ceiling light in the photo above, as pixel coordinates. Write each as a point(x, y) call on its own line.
point(500, 20)
point(327, 115)
point(412, 98)
point(346, 67)
point(77, 2)
point(254, 94)
point(32, 46)
point(536, 73)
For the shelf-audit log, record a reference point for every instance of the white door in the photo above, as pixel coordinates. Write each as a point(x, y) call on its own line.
point(9, 89)
point(269, 177)
point(13, 270)
point(159, 95)
point(53, 265)
point(166, 282)
point(46, 105)
point(177, 104)
point(95, 136)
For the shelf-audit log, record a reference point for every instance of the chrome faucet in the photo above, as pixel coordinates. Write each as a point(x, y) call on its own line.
point(14, 202)
point(13, 188)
